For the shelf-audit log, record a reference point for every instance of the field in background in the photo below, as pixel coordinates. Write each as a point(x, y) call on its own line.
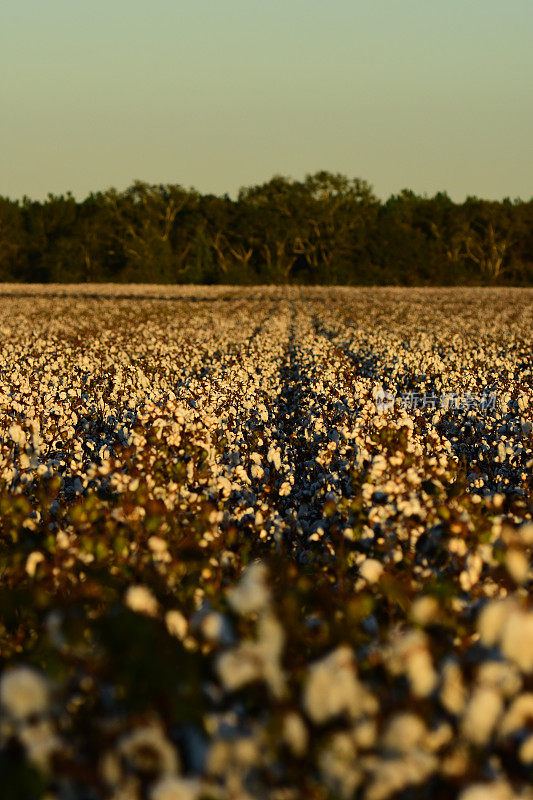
point(266, 542)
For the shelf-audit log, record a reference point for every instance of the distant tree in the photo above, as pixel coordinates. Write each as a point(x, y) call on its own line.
point(13, 242)
point(276, 217)
point(326, 228)
point(488, 236)
point(145, 216)
point(338, 213)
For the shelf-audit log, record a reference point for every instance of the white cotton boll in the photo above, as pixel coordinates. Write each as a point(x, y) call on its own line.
point(481, 715)
point(170, 788)
point(271, 640)
point(241, 474)
point(525, 752)
point(526, 533)
point(421, 673)
point(148, 749)
point(40, 742)
point(393, 775)
point(332, 687)
point(439, 737)
point(215, 627)
point(177, 624)
point(251, 594)
point(157, 544)
point(224, 485)
point(404, 732)
point(256, 660)
point(518, 715)
point(17, 434)
point(257, 471)
point(240, 666)
point(517, 639)
point(410, 655)
point(501, 675)
point(274, 457)
point(497, 790)
point(517, 565)
point(492, 619)
point(365, 733)
point(141, 600)
point(24, 692)
point(33, 561)
point(424, 610)
point(371, 570)
point(523, 402)
point(239, 753)
point(338, 766)
point(295, 733)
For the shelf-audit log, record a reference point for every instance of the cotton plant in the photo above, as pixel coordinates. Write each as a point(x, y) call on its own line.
point(229, 569)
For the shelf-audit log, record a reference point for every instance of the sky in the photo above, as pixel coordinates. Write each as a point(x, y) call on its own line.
point(430, 95)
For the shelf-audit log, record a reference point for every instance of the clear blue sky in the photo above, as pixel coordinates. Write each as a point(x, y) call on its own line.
point(426, 94)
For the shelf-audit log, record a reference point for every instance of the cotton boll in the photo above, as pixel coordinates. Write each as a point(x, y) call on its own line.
point(332, 687)
point(238, 667)
point(517, 639)
point(517, 565)
point(251, 593)
point(157, 544)
point(497, 790)
point(274, 458)
point(415, 660)
point(33, 561)
point(403, 733)
point(338, 766)
point(177, 624)
point(255, 660)
point(525, 752)
point(232, 757)
point(365, 733)
point(525, 532)
point(424, 610)
point(518, 715)
point(170, 788)
point(17, 434)
point(40, 742)
point(147, 749)
point(257, 471)
point(492, 620)
point(215, 627)
point(371, 570)
point(501, 675)
point(481, 715)
point(394, 775)
point(24, 692)
point(439, 737)
point(295, 734)
point(225, 486)
point(141, 600)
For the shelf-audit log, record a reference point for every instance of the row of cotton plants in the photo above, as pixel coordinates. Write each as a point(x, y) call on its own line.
point(266, 543)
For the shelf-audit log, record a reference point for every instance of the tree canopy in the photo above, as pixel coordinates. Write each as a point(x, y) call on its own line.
point(326, 229)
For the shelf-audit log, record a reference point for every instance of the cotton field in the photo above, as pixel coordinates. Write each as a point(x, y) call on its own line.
point(266, 543)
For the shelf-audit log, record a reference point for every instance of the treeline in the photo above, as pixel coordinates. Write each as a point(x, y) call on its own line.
point(326, 229)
